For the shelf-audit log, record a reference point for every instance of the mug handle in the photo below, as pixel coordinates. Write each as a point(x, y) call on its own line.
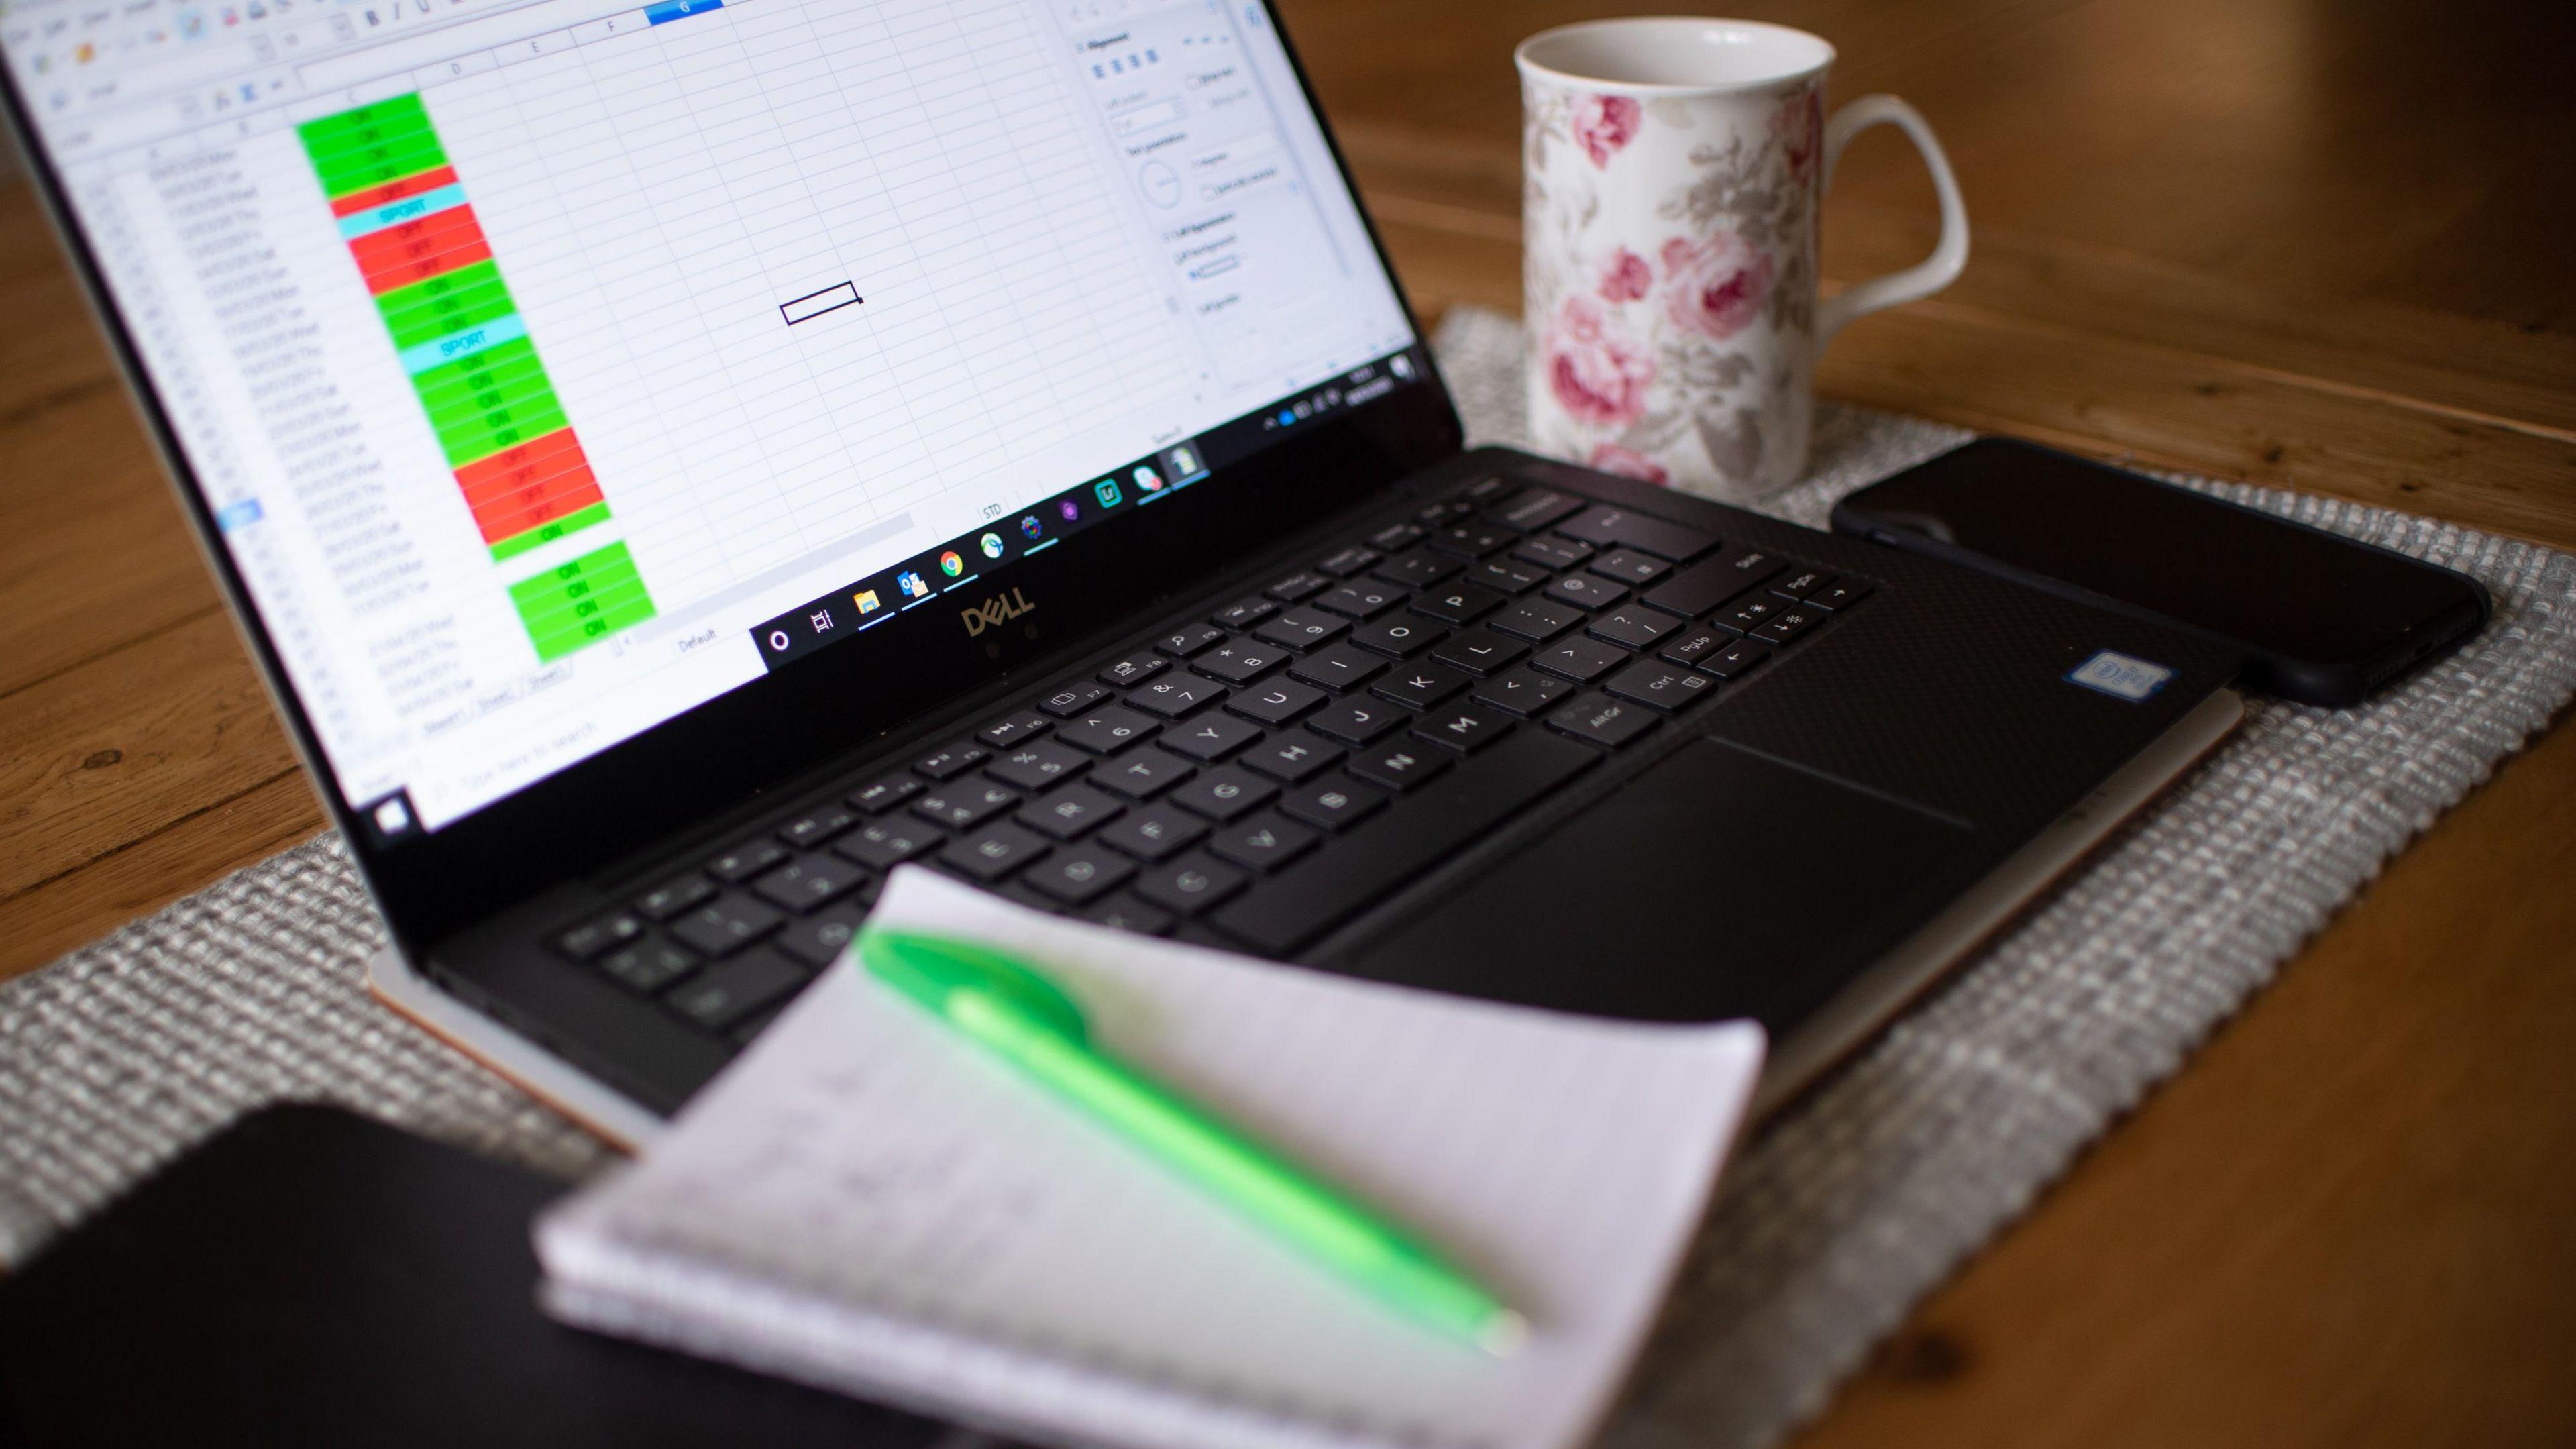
point(1949, 255)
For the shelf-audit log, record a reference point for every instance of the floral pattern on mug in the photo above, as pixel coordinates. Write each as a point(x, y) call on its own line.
point(1596, 371)
point(1605, 124)
point(1718, 284)
point(1673, 306)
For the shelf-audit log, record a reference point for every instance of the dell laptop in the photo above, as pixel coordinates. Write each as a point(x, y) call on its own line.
point(676, 464)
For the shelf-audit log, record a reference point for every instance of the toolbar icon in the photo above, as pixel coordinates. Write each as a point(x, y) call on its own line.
point(912, 584)
point(866, 599)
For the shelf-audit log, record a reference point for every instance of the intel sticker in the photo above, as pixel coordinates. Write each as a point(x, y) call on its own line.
point(2121, 676)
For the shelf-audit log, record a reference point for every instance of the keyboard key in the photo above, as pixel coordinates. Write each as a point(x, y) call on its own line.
point(1789, 623)
point(1212, 737)
point(1463, 730)
point(1223, 794)
point(1606, 526)
point(1586, 591)
point(1175, 694)
point(1470, 540)
point(592, 938)
point(726, 924)
point(648, 967)
point(1702, 588)
point(1071, 811)
point(1361, 600)
point(1480, 651)
point(1535, 508)
point(1694, 645)
point(1277, 702)
point(1737, 660)
point(1191, 884)
point(1039, 765)
point(1536, 620)
point(1301, 903)
point(1553, 553)
point(819, 939)
point(671, 897)
point(1140, 774)
point(1840, 594)
point(1421, 685)
point(993, 852)
point(1504, 576)
point(1580, 659)
point(1660, 686)
point(888, 843)
point(1459, 604)
point(1395, 536)
point(1603, 720)
point(1002, 734)
point(1338, 666)
point(1123, 912)
point(1238, 661)
point(1265, 842)
point(1401, 766)
point(1291, 756)
point(809, 883)
point(950, 761)
point(1302, 628)
point(1419, 569)
point(1523, 692)
point(1357, 721)
point(815, 827)
point(1073, 699)
point(1401, 637)
point(1750, 614)
point(1799, 583)
point(1189, 639)
point(1244, 613)
point(1081, 874)
point(1352, 560)
point(1133, 670)
point(1298, 587)
point(1637, 628)
point(887, 793)
point(969, 802)
point(1630, 567)
point(1106, 731)
point(1334, 802)
point(746, 860)
point(730, 993)
point(1154, 833)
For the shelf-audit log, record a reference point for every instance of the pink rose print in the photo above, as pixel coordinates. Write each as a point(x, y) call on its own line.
point(1628, 463)
point(1603, 124)
point(1627, 278)
point(1598, 375)
point(1716, 286)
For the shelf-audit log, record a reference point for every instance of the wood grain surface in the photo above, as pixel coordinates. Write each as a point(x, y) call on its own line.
point(2320, 246)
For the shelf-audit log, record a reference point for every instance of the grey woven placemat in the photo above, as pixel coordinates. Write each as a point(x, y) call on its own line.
point(1827, 1229)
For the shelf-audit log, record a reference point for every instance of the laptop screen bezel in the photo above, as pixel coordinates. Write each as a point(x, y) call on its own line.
point(783, 727)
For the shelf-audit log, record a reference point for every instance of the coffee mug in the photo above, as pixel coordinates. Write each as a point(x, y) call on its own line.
point(1674, 171)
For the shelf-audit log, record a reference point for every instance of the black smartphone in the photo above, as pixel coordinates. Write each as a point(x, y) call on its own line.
point(2322, 619)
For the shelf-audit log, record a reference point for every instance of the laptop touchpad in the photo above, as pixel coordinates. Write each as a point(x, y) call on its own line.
point(1720, 883)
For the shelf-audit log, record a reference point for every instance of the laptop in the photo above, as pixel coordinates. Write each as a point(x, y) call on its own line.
point(677, 464)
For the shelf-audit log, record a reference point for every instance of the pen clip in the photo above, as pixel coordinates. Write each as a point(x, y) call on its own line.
point(930, 969)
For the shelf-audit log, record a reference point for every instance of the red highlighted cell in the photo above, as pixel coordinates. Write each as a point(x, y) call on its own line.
point(541, 455)
point(393, 191)
point(421, 271)
point(497, 496)
point(540, 506)
point(413, 242)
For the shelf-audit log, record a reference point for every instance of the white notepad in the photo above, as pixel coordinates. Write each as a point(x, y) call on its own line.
point(868, 1201)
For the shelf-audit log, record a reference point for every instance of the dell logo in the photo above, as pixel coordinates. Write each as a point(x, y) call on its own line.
point(999, 609)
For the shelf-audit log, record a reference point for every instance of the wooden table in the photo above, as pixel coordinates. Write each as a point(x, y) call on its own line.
point(2314, 245)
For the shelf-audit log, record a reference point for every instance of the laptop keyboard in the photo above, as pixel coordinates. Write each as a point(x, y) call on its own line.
point(1260, 775)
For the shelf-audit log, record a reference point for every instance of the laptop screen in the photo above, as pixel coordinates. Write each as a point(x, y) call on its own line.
point(551, 367)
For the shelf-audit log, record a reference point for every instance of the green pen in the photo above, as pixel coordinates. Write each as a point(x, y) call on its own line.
point(1020, 1015)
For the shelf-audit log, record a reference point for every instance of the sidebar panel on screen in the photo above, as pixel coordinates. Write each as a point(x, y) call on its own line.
point(460, 337)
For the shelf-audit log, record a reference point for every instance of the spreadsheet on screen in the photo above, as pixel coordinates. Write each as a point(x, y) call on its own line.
point(528, 355)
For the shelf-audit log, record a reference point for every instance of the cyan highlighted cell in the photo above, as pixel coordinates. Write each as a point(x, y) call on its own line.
point(423, 356)
point(394, 213)
point(670, 10)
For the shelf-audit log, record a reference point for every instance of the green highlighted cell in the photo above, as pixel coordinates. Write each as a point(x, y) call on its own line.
point(518, 544)
point(582, 602)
